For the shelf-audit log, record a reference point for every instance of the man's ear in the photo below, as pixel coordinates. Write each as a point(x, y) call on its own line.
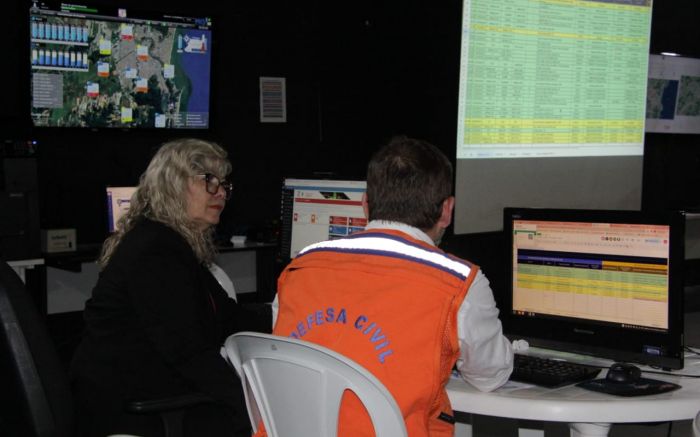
point(448, 206)
point(365, 205)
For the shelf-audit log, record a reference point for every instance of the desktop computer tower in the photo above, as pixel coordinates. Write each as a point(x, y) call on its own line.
point(19, 208)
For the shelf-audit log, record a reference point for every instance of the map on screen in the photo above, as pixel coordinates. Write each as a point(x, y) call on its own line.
point(92, 69)
point(673, 95)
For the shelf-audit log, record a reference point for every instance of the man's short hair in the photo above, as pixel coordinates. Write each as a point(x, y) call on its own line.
point(407, 182)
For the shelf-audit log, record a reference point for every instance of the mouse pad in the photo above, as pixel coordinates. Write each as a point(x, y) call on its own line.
point(641, 387)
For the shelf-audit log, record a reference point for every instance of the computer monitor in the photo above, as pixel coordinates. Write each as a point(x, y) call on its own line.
point(118, 203)
point(316, 210)
point(604, 283)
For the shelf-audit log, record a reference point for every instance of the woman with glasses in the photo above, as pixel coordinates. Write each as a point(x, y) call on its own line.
point(157, 316)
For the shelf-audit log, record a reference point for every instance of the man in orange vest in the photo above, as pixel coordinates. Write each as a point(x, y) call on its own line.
point(389, 299)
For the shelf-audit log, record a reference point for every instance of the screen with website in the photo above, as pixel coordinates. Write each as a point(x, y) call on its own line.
point(609, 272)
point(316, 210)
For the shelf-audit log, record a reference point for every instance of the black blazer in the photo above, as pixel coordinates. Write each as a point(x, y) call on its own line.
point(155, 324)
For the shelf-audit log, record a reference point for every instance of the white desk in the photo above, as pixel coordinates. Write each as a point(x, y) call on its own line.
point(588, 413)
point(71, 276)
point(21, 266)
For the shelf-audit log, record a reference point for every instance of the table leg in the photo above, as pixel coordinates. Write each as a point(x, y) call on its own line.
point(463, 429)
point(589, 429)
point(527, 432)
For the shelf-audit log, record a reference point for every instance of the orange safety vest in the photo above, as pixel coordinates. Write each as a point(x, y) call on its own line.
point(390, 303)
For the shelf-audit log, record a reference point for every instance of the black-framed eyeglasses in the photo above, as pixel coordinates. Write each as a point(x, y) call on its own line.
point(213, 183)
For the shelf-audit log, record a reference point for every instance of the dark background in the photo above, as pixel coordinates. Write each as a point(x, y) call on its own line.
point(357, 73)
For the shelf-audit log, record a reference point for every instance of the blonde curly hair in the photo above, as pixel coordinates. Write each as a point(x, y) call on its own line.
point(161, 194)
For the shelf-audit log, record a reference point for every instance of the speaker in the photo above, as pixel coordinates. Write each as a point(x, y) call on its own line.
point(19, 208)
point(19, 174)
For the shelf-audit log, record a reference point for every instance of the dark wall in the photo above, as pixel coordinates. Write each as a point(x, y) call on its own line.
point(357, 73)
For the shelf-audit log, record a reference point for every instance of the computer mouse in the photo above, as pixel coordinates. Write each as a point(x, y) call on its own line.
point(623, 373)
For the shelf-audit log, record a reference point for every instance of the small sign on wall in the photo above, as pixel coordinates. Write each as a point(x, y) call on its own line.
point(273, 100)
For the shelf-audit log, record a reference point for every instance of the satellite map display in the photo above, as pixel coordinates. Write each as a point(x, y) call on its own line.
point(673, 94)
point(661, 98)
point(105, 72)
point(689, 98)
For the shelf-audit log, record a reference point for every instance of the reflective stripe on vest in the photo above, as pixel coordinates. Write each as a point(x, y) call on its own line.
point(388, 245)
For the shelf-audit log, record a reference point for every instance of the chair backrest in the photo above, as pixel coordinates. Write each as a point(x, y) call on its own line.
point(295, 387)
point(32, 372)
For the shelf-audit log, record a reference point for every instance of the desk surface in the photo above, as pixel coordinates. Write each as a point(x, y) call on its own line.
point(248, 245)
point(573, 404)
point(72, 261)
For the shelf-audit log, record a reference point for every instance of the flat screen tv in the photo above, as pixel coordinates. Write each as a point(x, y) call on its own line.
point(107, 67)
point(604, 283)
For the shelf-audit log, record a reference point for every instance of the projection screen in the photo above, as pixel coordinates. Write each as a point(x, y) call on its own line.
point(551, 107)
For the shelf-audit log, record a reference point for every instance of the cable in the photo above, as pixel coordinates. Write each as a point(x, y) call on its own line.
point(680, 375)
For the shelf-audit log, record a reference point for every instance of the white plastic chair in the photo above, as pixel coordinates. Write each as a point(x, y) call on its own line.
point(295, 387)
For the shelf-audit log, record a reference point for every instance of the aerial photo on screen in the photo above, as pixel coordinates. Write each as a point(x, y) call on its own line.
point(111, 73)
point(673, 94)
point(689, 98)
point(661, 98)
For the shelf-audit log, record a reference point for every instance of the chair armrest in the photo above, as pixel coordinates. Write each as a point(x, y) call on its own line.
point(167, 404)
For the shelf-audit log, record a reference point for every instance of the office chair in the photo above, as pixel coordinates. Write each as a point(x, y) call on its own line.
point(34, 380)
point(295, 387)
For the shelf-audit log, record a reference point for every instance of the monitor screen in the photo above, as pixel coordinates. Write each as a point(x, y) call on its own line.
point(118, 203)
point(106, 67)
point(607, 283)
point(316, 210)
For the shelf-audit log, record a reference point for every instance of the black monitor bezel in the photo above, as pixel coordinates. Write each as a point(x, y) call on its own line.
point(604, 340)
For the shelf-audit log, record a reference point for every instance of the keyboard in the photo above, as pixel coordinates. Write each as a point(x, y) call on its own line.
point(550, 373)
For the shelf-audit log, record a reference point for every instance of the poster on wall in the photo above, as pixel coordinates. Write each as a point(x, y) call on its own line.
point(273, 100)
point(673, 95)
